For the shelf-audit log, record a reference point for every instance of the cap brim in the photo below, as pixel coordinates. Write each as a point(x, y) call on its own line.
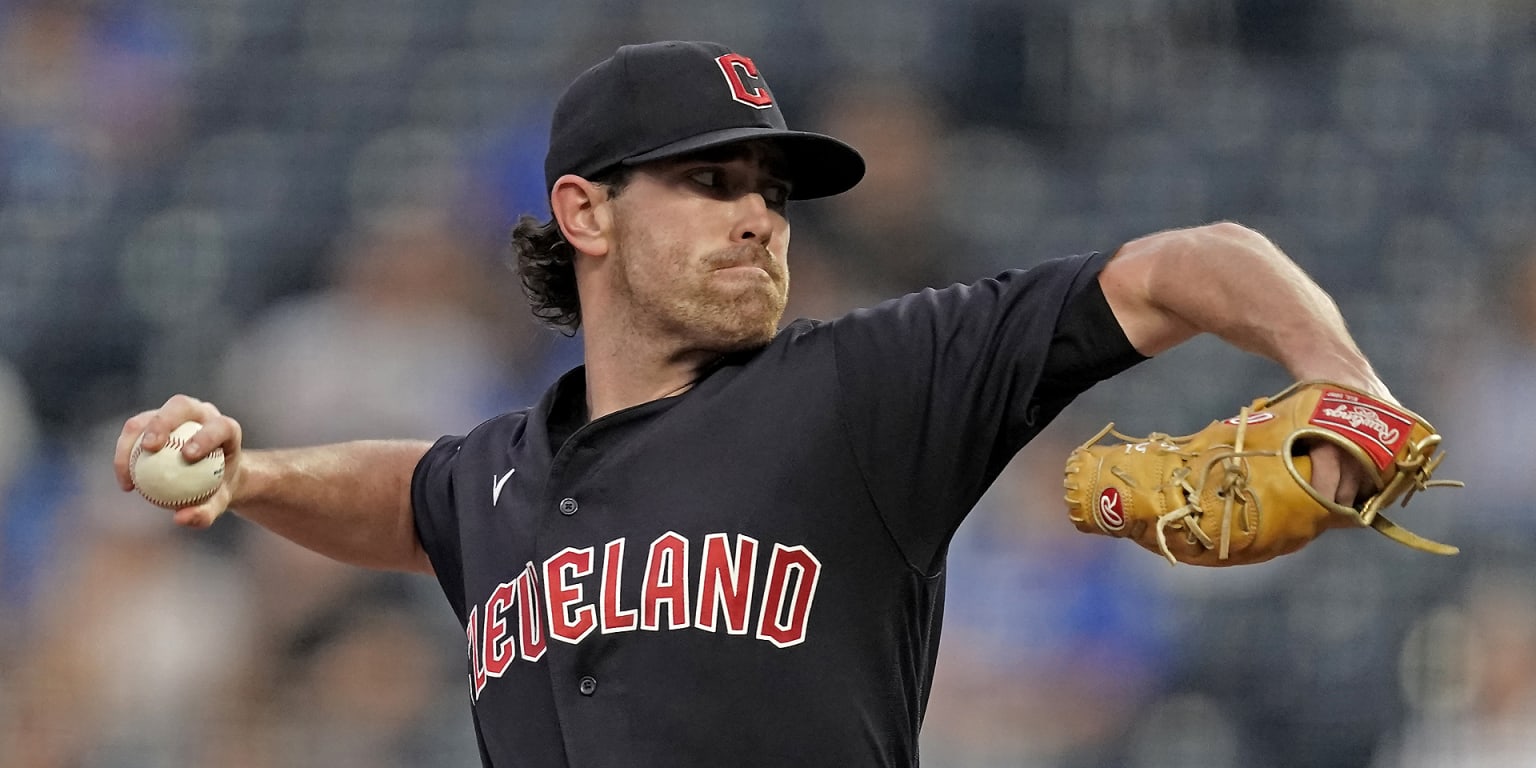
point(818, 165)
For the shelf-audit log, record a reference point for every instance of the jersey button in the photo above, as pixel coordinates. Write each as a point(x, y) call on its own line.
point(567, 506)
point(588, 685)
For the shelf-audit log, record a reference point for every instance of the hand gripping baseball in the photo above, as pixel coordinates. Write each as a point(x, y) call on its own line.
point(183, 456)
point(1239, 491)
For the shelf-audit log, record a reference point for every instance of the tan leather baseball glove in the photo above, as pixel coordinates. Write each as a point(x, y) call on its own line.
point(1238, 491)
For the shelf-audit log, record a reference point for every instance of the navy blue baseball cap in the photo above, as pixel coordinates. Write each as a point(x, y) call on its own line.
point(659, 100)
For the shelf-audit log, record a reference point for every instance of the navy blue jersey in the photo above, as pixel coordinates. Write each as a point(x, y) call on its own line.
point(750, 573)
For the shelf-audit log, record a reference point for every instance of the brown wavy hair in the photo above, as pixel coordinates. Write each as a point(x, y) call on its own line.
point(546, 264)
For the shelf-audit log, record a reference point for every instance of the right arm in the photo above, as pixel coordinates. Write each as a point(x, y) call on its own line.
point(348, 501)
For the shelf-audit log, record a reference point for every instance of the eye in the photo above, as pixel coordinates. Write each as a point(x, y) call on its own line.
point(776, 195)
point(709, 178)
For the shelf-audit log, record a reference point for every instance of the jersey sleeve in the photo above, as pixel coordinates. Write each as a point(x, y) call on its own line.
point(939, 389)
point(437, 522)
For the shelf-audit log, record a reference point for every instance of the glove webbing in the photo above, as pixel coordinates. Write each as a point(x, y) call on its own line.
point(1414, 469)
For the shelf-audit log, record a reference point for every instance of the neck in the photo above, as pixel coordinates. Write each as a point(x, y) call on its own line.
point(625, 371)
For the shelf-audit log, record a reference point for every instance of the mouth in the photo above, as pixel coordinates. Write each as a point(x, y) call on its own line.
point(742, 269)
point(751, 268)
point(746, 261)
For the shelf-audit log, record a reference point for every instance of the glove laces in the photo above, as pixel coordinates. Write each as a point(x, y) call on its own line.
point(1232, 489)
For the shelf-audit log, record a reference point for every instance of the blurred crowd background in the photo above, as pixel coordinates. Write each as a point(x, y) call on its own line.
point(298, 209)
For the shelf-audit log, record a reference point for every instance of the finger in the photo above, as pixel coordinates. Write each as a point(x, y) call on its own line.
point(1348, 490)
point(132, 428)
point(203, 515)
point(1325, 471)
point(218, 431)
point(199, 517)
point(177, 410)
point(1346, 475)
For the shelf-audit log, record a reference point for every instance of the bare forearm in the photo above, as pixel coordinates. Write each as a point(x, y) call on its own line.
point(1230, 281)
point(349, 501)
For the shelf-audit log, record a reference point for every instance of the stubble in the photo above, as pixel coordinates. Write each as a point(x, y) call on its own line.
point(688, 299)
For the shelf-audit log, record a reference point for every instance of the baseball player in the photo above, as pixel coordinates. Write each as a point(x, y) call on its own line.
point(721, 542)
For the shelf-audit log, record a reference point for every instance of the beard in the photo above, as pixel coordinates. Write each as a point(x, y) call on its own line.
point(691, 300)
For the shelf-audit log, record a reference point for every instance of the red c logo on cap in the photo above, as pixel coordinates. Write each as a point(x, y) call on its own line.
point(739, 72)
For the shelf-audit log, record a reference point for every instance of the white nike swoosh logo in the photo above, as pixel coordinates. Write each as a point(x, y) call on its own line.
point(499, 482)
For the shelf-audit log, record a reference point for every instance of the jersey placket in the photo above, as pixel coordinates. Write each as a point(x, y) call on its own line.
point(577, 519)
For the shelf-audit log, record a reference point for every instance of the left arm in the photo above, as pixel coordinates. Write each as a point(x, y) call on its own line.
point(1231, 281)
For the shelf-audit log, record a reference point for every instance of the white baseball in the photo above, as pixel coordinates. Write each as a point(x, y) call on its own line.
point(167, 479)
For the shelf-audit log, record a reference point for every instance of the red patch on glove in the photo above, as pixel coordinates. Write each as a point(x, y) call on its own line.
point(1379, 429)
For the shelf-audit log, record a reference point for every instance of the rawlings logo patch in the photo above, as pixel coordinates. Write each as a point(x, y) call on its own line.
point(1364, 418)
point(1110, 512)
point(1378, 428)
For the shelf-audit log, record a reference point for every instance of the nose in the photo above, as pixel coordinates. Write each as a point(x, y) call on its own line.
point(754, 220)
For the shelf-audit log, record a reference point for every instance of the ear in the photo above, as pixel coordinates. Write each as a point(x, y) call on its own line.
point(581, 208)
